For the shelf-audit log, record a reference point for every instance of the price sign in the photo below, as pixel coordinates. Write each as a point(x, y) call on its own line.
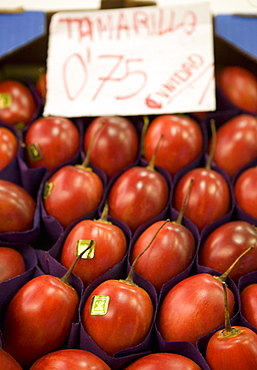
point(131, 61)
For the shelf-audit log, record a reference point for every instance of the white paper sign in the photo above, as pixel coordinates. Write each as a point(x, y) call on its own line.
point(131, 61)
point(224, 6)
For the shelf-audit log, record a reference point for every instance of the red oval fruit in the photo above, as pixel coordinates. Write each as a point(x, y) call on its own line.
point(39, 317)
point(127, 319)
point(225, 244)
point(182, 141)
point(138, 195)
point(160, 361)
point(245, 191)
point(69, 186)
point(209, 188)
point(236, 143)
point(234, 347)
point(8, 147)
point(110, 246)
point(240, 87)
point(8, 362)
point(235, 352)
point(248, 298)
point(11, 263)
point(116, 145)
point(171, 252)
point(70, 359)
point(17, 104)
point(51, 141)
point(192, 308)
point(17, 208)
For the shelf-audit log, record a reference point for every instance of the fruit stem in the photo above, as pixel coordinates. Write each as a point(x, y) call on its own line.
point(213, 145)
point(129, 278)
point(152, 161)
point(182, 209)
point(90, 148)
point(67, 275)
point(144, 129)
point(104, 214)
point(222, 278)
point(229, 330)
point(19, 127)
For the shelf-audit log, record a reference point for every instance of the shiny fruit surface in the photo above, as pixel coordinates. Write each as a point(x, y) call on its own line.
point(51, 141)
point(182, 141)
point(12, 263)
point(8, 147)
point(17, 103)
point(17, 208)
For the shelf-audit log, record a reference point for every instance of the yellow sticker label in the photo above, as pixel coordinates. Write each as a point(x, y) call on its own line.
point(34, 152)
point(99, 305)
point(47, 189)
point(81, 245)
point(5, 100)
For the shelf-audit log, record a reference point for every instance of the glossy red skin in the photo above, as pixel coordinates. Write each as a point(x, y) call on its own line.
point(234, 353)
point(127, 321)
point(170, 253)
point(70, 359)
point(11, 263)
point(245, 191)
point(41, 86)
point(23, 105)
point(7, 362)
point(228, 242)
point(209, 198)
point(181, 144)
point(240, 87)
point(248, 298)
point(76, 192)
point(8, 147)
point(160, 361)
point(236, 143)
point(39, 318)
point(17, 208)
point(201, 115)
point(110, 248)
point(192, 308)
point(57, 138)
point(138, 195)
point(116, 145)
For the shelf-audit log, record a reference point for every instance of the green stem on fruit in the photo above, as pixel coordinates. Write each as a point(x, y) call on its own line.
point(129, 279)
point(90, 148)
point(222, 278)
point(182, 209)
point(19, 128)
point(104, 214)
point(229, 331)
point(144, 129)
point(65, 278)
point(151, 164)
point(213, 145)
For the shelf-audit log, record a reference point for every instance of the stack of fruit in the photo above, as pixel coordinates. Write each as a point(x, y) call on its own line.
point(120, 237)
